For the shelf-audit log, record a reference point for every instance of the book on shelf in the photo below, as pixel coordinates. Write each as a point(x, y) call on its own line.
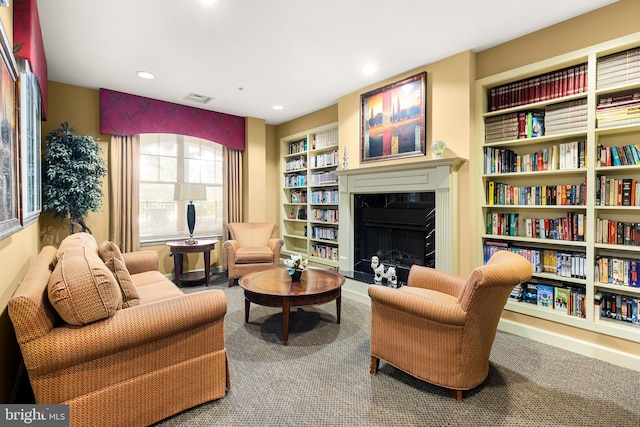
point(530, 293)
point(561, 299)
point(545, 295)
point(517, 293)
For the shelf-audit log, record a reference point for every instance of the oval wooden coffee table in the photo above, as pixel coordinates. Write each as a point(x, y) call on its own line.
point(274, 288)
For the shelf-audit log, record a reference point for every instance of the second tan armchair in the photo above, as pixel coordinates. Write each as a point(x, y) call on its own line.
point(440, 328)
point(253, 246)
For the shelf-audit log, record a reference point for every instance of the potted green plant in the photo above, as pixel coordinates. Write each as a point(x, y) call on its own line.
point(72, 176)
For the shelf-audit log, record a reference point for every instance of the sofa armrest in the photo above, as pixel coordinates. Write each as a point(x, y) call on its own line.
point(437, 280)
point(276, 245)
point(68, 345)
point(423, 307)
point(141, 261)
point(231, 246)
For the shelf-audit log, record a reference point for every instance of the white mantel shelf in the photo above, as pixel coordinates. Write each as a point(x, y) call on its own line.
point(437, 175)
point(453, 162)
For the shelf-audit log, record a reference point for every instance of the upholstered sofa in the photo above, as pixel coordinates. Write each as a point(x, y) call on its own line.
point(111, 336)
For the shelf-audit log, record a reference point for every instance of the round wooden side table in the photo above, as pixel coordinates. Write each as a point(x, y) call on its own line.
point(179, 248)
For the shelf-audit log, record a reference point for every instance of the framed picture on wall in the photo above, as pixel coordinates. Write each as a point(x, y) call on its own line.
point(29, 154)
point(9, 196)
point(393, 120)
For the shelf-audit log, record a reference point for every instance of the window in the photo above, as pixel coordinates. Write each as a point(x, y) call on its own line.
point(165, 160)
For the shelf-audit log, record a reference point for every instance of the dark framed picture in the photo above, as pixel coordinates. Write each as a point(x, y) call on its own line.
point(393, 120)
point(9, 196)
point(29, 130)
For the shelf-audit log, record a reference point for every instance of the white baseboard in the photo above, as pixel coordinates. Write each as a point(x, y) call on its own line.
point(356, 290)
point(585, 348)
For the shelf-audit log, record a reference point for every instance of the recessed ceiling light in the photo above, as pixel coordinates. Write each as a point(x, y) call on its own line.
point(278, 107)
point(369, 69)
point(145, 75)
point(208, 2)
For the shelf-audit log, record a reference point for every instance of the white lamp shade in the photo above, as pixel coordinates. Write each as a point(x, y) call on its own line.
point(190, 191)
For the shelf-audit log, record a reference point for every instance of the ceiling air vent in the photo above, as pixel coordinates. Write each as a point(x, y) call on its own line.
point(198, 98)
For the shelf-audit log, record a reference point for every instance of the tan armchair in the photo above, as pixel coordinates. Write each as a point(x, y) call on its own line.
point(253, 246)
point(440, 328)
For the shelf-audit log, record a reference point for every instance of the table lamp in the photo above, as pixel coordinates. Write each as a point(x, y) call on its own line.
point(187, 191)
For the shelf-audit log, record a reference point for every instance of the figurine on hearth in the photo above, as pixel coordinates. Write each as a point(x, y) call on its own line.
point(378, 269)
point(391, 276)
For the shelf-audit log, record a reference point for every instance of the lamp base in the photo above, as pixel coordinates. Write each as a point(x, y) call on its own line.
point(191, 241)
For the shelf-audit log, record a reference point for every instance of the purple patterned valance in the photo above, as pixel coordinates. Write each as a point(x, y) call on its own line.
point(125, 114)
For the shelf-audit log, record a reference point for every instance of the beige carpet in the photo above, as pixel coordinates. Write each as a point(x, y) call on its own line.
point(322, 379)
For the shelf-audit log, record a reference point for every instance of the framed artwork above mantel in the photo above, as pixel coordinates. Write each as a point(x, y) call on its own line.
point(393, 120)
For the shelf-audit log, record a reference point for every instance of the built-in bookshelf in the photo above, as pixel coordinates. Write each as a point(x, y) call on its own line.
point(560, 141)
point(310, 194)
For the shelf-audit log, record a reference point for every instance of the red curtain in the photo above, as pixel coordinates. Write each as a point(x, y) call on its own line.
point(125, 114)
point(28, 37)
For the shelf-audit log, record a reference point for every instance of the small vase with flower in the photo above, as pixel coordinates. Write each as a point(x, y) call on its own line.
point(295, 266)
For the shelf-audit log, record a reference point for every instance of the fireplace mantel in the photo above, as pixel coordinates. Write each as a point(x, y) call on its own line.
point(437, 175)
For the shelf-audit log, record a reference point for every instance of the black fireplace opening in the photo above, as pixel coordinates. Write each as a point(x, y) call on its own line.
point(398, 228)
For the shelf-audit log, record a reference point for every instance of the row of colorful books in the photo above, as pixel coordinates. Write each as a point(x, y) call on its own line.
point(617, 271)
point(613, 232)
point(326, 159)
point(569, 228)
point(296, 164)
point(556, 84)
point(617, 191)
point(325, 233)
point(514, 126)
point(502, 194)
point(325, 251)
point(324, 178)
point(617, 306)
point(558, 262)
point(618, 68)
point(568, 155)
point(324, 215)
point(618, 155)
point(569, 300)
point(298, 196)
point(296, 180)
point(297, 146)
point(325, 196)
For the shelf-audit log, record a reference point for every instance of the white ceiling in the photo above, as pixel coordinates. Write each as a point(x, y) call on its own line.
point(250, 55)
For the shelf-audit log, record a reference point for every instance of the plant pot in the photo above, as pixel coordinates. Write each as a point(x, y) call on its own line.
point(295, 275)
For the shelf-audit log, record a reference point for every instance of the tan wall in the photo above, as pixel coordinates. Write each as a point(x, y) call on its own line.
point(80, 107)
point(301, 124)
point(610, 22)
point(450, 88)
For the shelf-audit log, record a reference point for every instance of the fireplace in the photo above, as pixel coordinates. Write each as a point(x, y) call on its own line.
point(429, 183)
point(398, 228)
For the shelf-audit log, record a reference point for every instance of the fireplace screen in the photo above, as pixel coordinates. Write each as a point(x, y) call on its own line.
point(398, 228)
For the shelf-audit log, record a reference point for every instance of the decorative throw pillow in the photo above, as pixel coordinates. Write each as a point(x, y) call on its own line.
point(75, 240)
point(82, 289)
point(112, 257)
